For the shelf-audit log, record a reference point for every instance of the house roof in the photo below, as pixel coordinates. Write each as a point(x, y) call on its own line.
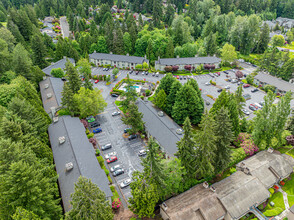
point(80, 152)
point(163, 129)
point(239, 192)
point(118, 58)
point(187, 60)
point(58, 64)
point(278, 83)
point(269, 167)
point(55, 86)
point(198, 203)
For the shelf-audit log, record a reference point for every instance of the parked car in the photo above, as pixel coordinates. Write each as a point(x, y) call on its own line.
point(207, 103)
point(253, 107)
point(107, 69)
point(153, 74)
point(118, 172)
point(114, 168)
point(184, 77)
point(106, 147)
point(246, 85)
point(254, 65)
point(90, 119)
point(227, 87)
point(142, 153)
point(226, 72)
point(137, 72)
point(125, 183)
point(115, 113)
point(246, 112)
point(258, 105)
point(178, 76)
point(234, 81)
point(130, 72)
point(247, 96)
point(219, 90)
point(229, 80)
point(254, 90)
point(114, 95)
point(157, 74)
point(94, 124)
point(98, 130)
point(146, 73)
point(127, 130)
point(104, 69)
point(181, 77)
point(96, 81)
point(109, 155)
point(240, 83)
point(132, 137)
point(143, 72)
point(111, 159)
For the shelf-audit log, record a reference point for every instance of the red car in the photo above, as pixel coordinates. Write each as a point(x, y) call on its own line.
point(246, 85)
point(111, 159)
point(96, 81)
point(178, 76)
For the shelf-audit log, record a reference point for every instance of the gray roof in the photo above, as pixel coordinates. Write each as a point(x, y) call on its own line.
point(269, 168)
point(80, 152)
point(58, 64)
point(239, 192)
point(118, 58)
point(163, 129)
point(278, 83)
point(188, 60)
point(197, 203)
point(55, 86)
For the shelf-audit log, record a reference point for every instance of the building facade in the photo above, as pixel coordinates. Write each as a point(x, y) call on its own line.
point(119, 61)
point(160, 64)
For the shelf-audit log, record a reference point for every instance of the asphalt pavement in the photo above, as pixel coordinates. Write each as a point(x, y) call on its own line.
point(64, 27)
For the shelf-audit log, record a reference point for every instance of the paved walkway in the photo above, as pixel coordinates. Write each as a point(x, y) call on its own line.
point(284, 213)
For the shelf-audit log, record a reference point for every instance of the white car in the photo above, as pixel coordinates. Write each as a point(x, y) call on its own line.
point(125, 183)
point(227, 87)
point(107, 156)
point(115, 113)
point(207, 83)
point(246, 112)
point(116, 167)
point(142, 153)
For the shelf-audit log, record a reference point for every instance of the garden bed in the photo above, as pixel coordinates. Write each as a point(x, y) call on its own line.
point(278, 208)
point(289, 189)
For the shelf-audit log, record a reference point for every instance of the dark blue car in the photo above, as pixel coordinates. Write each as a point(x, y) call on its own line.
point(98, 130)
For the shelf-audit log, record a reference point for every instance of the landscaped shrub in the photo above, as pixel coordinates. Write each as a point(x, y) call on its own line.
point(168, 68)
point(112, 188)
point(116, 203)
point(271, 190)
point(210, 96)
point(108, 83)
point(175, 68)
point(290, 140)
point(188, 67)
point(237, 156)
point(97, 152)
point(93, 141)
point(139, 66)
point(147, 92)
point(85, 123)
point(106, 171)
point(249, 147)
point(109, 179)
point(90, 135)
point(87, 131)
point(241, 138)
point(100, 161)
point(63, 111)
point(95, 77)
point(212, 82)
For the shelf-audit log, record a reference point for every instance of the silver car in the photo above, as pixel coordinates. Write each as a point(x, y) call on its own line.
point(125, 183)
point(114, 168)
point(115, 113)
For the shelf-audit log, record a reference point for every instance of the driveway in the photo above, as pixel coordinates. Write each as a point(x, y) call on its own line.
point(64, 27)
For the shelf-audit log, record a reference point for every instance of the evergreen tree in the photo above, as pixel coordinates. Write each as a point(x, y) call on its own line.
point(186, 149)
point(157, 13)
point(169, 51)
point(171, 98)
point(22, 62)
point(144, 196)
point(73, 77)
point(89, 202)
point(169, 14)
point(166, 83)
point(187, 104)
point(87, 83)
point(205, 147)
point(23, 214)
point(153, 167)
point(160, 100)
point(118, 42)
point(149, 50)
point(133, 118)
point(211, 44)
point(264, 39)
point(39, 50)
point(224, 135)
point(130, 94)
point(240, 100)
point(101, 45)
point(12, 27)
point(67, 99)
point(127, 43)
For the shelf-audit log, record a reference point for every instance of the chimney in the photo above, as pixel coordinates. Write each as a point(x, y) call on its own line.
point(94, 51)
point(64, 57)
point(196, 55)
point(128, 54)
point(158, 57)
point(270, 150)
point(69, 166)
point(205, 185)
point(55, 119)
point(110, 52)
point(212, 189)
point(214, 55)
point(247, 171)
point(164, 206)
point(44, 77)
point(61, 140)
point(178, 56)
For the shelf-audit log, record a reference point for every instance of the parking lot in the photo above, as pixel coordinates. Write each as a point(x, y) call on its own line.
point(126, 151)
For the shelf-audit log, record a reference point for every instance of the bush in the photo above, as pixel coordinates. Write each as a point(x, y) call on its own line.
point(100, 161)
point(85, 123)
point(237, 156)
point(108, 83)
point(90, 135)
point(97, 152)
point(58, 72)
point(106, 171)
point(175, 68)
point(93, 141)
point(109, 179)
point(145, 65)
point(95, 77)
point(139, 66)
point(115, 71)
point(116, 203)
point(168, 68)
point(142, 97)
point(87, 131)
point(271, 190)
point(63, 111)
point(147, 92)
point(112, 188)
point(188, 67)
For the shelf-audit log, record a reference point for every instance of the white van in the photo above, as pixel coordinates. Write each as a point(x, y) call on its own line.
point(157, 74)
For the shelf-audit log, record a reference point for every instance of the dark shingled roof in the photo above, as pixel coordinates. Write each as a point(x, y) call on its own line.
point(163, 129)
point(278, 83)
point(188, 60)
point(239, 192)
point(80, 152)
point(58, 64)
point(118, 58)
point(194, 204)
point(55, 88)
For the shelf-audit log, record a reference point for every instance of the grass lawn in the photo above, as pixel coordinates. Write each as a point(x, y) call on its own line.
point(279, 206)
point(4, 23)
point(151, 98)
point(120, 107)
point(287, 150)
point(289, 189)
point(289, 46)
